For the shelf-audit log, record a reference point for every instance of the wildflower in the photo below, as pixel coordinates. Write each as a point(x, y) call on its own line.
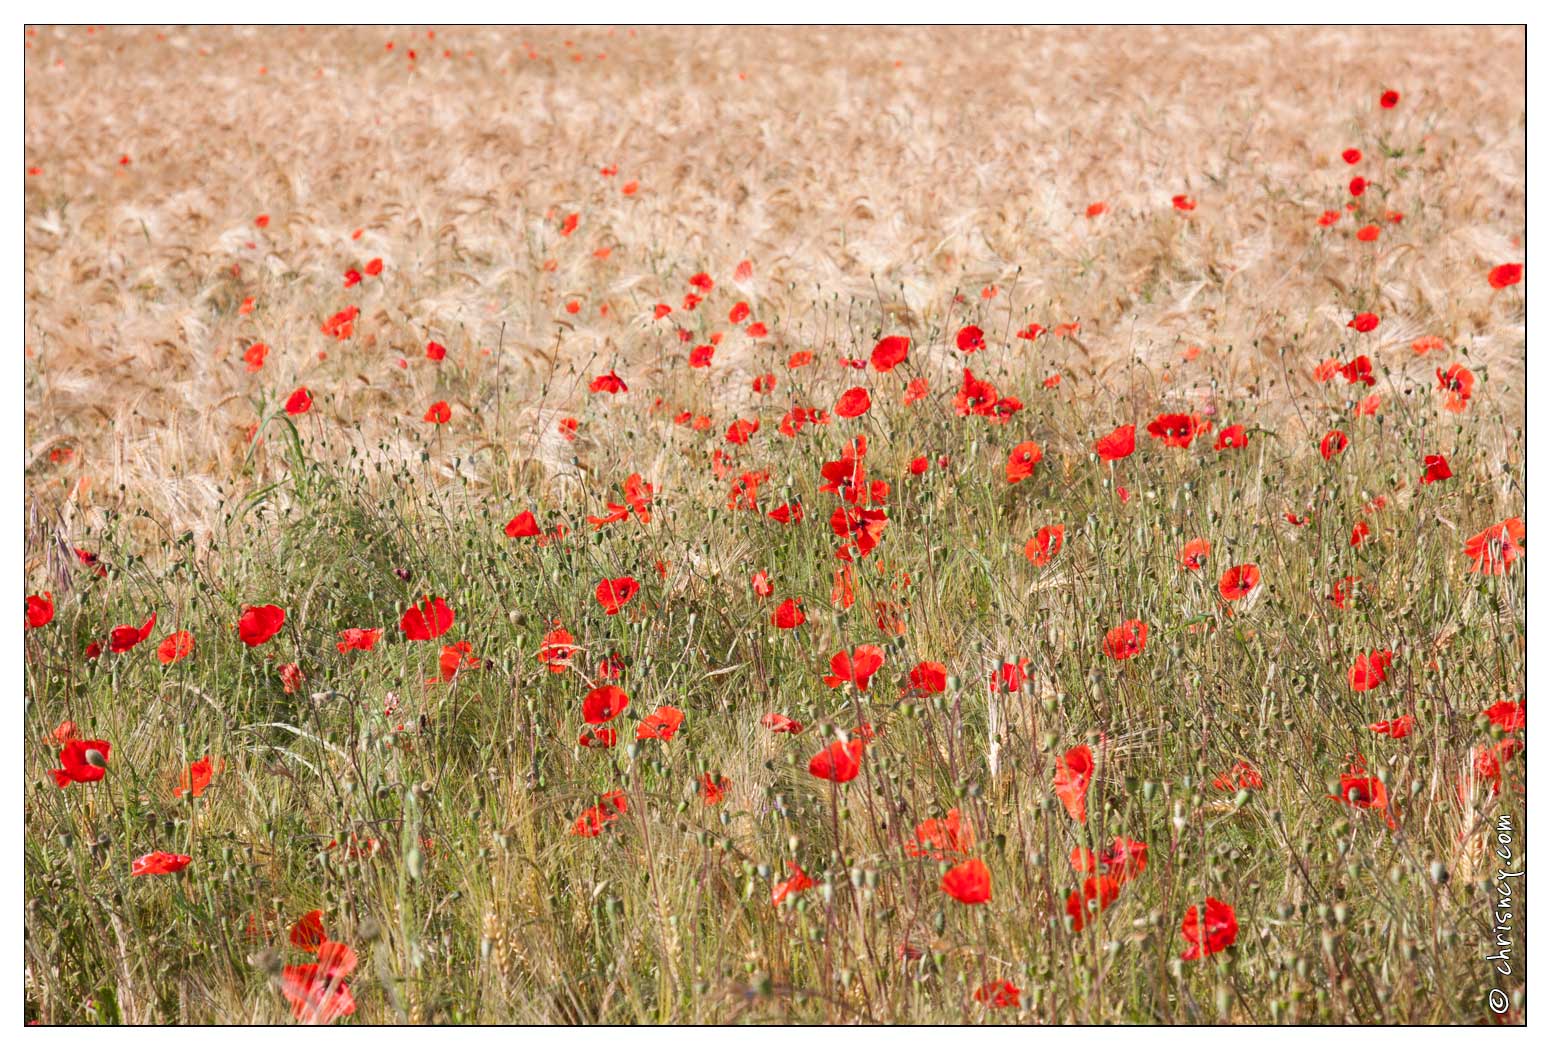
point(968, 883)
point(159, 863)
point(258, 624)
point(82, 762)
point(1209, 930)
point(839, 762)
point(1074, 771)
point(660, 725)
point(429, 620)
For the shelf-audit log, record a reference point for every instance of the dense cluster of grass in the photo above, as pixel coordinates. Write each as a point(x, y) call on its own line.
point(432, 824)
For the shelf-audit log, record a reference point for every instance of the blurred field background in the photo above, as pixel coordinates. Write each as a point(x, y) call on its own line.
point(862, 171)
point(532, 195)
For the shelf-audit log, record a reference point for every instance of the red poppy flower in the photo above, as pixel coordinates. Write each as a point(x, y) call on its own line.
point(890, 351)
point(1124, 860)
point(713, 790)
point(853, 403)
point(1176, 429)
point(523, 525)
point(159, 863)
point(557, 650)
point(1357, 187)
point(299, 401)
point(1183, 203)
point(1238, 581)
point(1031, 332)
point(1329, 218)
point(661, 725)
point(603, 704)
point(1368, 233)
point(439, 413)
point(1505, 275)
point(259, 623)
point(1096, 209)
point(788, 614)
point(1494, 549)
point(1457, 382)
point(1125, 640)
point(1362, 792)
point(1332, 444)
point(595, 819)
point(1360, 534)
point(780, 724)
point(968, 883)
point(1389, 99)
point(796, 883)
point(196, 778)
point(82, 761)
point(1045, 545)
point(1240, 775)
point(1351, 156)
point(941, 838)
point(1021, 461)
point(363, 639)
point(998, 994)
point(341, 326)
point(175, 647)
point(607, 737)
point(1397, 728)
point(431, 619)
point(1232, 437)
point(613, 595)
point(1102, 889)
point(926, 679)
point(373, 268)
point(1364, 322)
point(1074, 771)
point(1489, 762)
point(1369, 670)
point(608, 383)
point(840, 762)
point(1508, 716)
point(740, 431)
point(856, 668)
point(1435, 469)
point(1208, 931)
point(1193, 555)
point(352, 278)
point(317, 992)
point(1117, 444)
point(1342, 590)
point(40, 609)
point(970, 339)
point(254, 356)
point(1009, 677)
point(126, 637)
point(308, 933)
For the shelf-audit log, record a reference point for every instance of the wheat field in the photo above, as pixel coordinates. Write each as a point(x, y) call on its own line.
point(450, 240)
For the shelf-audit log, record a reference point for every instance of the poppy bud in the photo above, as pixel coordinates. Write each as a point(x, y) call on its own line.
point(96, 758)
point(1439, 872)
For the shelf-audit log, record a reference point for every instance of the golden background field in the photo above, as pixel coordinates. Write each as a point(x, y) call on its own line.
point(864, 172)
